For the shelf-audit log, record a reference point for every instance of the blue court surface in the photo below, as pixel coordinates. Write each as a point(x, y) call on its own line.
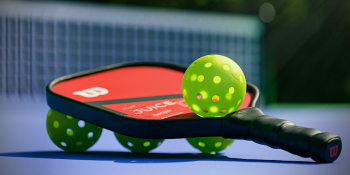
point(27, 149)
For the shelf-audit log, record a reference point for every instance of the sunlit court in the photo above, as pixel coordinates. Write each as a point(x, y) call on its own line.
point(174, 87)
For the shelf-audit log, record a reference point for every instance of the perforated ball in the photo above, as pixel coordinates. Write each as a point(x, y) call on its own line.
point(71, 134)
point(210, 145)
point(213, 86)
point(138, 145)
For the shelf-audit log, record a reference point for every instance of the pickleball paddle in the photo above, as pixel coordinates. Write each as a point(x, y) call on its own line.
point(144, 100)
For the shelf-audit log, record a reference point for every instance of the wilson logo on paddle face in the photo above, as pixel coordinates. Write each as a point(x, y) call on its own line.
point(91, 92)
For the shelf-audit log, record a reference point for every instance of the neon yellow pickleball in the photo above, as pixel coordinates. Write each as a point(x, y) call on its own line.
point(214, 86)
point(138, 145)
point(210, 145)
point(71, 134)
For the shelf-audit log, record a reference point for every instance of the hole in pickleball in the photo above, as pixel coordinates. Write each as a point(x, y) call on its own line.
point(185, 93)
point(79, 143)
point(193, 77)
point(218, 144)
point(81, 123)
point(226, 67)
point(216, 79)
point(195, 107)
point(228, 96)
point(69, 132)
point(231, 90)
point(90, 134)
point(215, 98)
point(208, 64)
point(199, 96)
point(239, 101)
point(146, 144)
point(201, 144)
point(130, 144)
point(200, 78)
point(63, 144)
point(241, 78)
point(69, 117)
point(205, 110)
point(231, 109)
point(213, 152)
point(56, 124)
point(213, 109)
point(194, 63)
point(223, 111)
point(188, 76)
point(204, 94)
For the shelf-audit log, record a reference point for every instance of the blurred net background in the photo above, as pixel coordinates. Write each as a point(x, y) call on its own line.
point(294, 51)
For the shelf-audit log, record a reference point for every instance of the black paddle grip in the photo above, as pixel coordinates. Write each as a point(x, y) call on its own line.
point(252, 124)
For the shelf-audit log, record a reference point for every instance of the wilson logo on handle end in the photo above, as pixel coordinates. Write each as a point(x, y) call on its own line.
point(333, 151)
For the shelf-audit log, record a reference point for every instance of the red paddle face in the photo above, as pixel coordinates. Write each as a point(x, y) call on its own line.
point(146, 92)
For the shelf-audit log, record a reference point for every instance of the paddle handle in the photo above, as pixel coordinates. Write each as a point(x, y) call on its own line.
point(252, 124)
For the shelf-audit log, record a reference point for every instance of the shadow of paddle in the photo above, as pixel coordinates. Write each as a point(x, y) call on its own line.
point(127, 157)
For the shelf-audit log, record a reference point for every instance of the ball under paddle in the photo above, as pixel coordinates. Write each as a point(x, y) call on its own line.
point(210, 145)
point(71, 134)
point(138, 145)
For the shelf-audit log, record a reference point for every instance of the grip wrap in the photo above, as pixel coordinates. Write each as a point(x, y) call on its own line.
point(252, 124)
